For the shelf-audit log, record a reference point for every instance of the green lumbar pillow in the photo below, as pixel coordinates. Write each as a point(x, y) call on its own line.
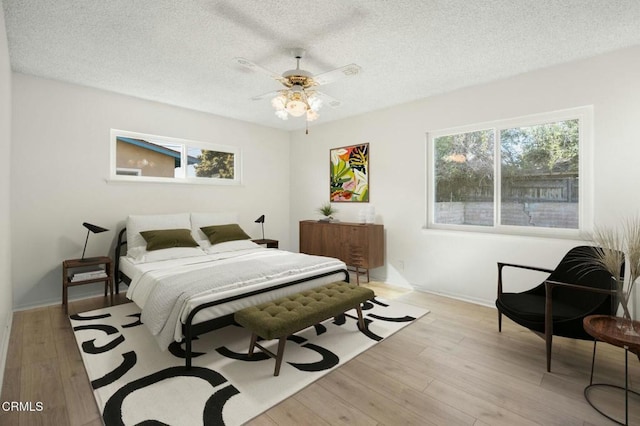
point(223, 233)
point(168, 238)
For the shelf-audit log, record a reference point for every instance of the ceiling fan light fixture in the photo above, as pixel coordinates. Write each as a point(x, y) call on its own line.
point(312, 115)
point(279, 102)
point(296, 108)
point(282, 114)
point(299, 97)
point(315, 103)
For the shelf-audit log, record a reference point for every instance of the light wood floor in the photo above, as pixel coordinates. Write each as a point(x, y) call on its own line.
point(451, 367)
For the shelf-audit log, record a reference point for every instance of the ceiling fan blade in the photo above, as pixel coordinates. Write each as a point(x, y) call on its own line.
point(333, 75)
point(271, 94)
point(326, 99)
point(255, 67)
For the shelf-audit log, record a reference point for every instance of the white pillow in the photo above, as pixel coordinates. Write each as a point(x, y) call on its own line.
point(231, 246)
point(168, 253)
point(136, 245)
point(199, 220)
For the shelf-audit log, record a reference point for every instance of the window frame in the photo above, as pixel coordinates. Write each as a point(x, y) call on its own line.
point(184, 145)
point(585, 174)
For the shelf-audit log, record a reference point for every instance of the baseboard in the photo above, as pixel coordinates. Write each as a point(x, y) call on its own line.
point(4, 345)
point(483, 302)
point(57, 301)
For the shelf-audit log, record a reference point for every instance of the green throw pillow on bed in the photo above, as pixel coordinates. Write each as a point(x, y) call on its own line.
point(168, 238)
point(223, 233)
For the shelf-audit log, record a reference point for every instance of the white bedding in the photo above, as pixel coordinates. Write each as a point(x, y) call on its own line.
point(168, 291)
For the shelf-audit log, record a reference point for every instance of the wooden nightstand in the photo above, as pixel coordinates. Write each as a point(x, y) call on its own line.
point(103, 262)
point(266, 241)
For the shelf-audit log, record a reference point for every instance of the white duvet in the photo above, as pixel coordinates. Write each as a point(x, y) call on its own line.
point(168, 291)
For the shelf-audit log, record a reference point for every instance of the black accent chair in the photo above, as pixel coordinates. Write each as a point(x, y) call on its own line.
point(575, 289)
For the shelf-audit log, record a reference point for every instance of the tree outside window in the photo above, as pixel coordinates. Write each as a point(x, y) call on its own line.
point(508, 176)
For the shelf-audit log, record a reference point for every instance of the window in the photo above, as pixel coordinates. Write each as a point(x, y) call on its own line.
point(520, 176)
point(149, 158)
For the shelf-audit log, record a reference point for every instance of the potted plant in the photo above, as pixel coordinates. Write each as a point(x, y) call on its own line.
point(621, 245)
point(327, 211)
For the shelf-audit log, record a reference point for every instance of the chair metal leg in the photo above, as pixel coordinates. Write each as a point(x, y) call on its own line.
point(499, 322)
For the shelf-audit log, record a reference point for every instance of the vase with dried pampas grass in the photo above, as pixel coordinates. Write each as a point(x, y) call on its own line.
point(620, 246)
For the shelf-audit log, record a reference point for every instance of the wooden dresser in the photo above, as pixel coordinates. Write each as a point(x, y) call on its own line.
point(360, 246)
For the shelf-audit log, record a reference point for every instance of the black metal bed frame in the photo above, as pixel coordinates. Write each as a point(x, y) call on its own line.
point(190, 330)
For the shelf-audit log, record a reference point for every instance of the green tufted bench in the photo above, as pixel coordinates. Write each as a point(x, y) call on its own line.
point(282, 317)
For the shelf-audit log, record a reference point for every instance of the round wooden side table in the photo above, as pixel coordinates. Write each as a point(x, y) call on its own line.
point(618, 332)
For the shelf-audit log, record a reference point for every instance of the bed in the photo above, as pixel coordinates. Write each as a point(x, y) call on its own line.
point(188, 282)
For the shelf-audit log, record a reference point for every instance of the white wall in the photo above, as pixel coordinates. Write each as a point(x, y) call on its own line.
point(464, 264)
point(5, 191)
point(60, 162)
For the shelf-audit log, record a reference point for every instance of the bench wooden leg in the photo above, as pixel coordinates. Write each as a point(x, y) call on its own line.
point(280, 355)
point(360, 317)
point(252, 344)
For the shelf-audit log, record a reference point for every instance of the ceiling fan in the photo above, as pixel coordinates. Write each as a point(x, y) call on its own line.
point(299, 96)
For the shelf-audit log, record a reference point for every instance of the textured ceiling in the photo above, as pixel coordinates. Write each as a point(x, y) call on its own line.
point(181, 52)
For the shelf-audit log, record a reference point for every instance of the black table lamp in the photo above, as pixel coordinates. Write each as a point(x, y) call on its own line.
point(260, 220)
point(90, 228)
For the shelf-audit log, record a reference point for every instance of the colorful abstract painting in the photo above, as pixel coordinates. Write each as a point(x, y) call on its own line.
point(350, 174)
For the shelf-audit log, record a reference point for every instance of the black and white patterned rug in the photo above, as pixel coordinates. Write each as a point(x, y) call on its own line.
point(135, 382)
